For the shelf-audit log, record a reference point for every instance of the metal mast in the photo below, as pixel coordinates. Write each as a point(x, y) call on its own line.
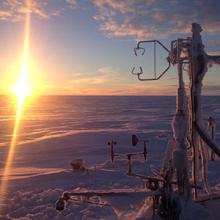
point(187, 121)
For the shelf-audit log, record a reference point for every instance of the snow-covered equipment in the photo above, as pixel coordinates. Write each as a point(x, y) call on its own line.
point(83, 195)
point(211, 130)
point(128, 155)
point(173, 189)
point(77, 164)
point(112, 144)
point(187, 126)
point(135, 140)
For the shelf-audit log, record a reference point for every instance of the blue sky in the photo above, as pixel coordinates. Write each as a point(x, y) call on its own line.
point(86, 47)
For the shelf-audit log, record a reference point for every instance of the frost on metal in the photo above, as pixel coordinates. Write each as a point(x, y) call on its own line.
point(173, 191)
point(188, 128)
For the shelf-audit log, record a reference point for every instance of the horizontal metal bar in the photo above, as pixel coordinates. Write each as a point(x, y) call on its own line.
point(91, 193)
point(206, 139)
point(152, 41)
point(142, 79)
point(158, 179)
point(127, 154)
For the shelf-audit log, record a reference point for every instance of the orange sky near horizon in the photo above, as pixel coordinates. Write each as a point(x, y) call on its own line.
point(76, 51)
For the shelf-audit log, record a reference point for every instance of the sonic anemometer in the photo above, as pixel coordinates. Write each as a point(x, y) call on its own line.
point(142, 50)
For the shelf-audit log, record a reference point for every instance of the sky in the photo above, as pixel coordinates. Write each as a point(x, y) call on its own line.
point(85, 47)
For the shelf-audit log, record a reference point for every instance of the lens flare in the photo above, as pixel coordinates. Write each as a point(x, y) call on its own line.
point(21, 91)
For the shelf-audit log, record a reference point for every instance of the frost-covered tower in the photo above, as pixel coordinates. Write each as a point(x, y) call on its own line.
point(187, 126)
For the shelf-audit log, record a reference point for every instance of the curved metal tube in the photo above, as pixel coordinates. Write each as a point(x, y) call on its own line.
point(62, 201)
point(141, 70)
point(139, 48)
point(137, 73)
point(207, 140)
point(142, 79)
point(152, 41)
point(216, 59)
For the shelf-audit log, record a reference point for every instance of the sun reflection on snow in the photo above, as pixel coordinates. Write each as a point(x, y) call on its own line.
point(22, 91)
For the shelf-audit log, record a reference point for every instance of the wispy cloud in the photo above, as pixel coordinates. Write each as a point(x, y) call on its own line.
point(128, 18)
point(15, 10)
point(72, 3)
point(105, 82)
point(155, 18)
point(102, 76)
point(106, 70)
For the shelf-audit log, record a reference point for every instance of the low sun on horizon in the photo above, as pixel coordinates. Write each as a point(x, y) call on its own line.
point(110, 109)
point(22, 89)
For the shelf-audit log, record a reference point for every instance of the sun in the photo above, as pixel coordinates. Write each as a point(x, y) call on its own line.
point(22, 88)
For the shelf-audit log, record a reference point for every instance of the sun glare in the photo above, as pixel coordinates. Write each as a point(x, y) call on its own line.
point(22, 88)
point(22, 91)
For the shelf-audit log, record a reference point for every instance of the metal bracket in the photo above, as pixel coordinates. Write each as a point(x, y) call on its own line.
point(156, 76)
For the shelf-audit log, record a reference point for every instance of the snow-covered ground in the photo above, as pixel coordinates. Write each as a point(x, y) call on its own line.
point(41, 169)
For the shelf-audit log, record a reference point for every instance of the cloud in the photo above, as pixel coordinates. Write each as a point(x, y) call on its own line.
point(15, 10)
point(82, 79)
point(155, 18)
point(106, 70)
point(72, 3)
point(128, 18)
point(4, 14)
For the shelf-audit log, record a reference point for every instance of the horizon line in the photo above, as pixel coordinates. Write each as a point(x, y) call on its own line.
point(106, 95)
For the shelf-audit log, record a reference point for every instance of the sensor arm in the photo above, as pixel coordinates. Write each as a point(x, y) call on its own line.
point(168, 67)
point(152, 41)
point(142, 53)
point(215, 59)
point(206, 139)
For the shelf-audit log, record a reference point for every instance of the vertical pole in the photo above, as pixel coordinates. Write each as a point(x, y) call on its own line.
point(145, 150)
point(180, 96)
point(213, 137)
point(112, 151)
point(155, 64)
point(180, 121)
point(192, 127)
point(112, 143)
point(195, 71)
point(129, 164)
point(211, 128)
